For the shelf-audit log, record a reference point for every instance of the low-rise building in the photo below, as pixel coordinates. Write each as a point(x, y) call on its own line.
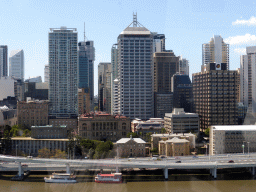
point(103, 126)
point(174, 147)
point(149, 127)
point(130, 147)
point(30, 146)
point(155, 138)
point(71, 123)
point(49, 132)
point(180, 122)
point(232, 139)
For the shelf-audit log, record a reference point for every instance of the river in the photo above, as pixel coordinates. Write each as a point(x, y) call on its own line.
point(228, 180)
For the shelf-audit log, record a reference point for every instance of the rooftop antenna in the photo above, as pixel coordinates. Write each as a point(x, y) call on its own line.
point(84, 32)
point(135, 20)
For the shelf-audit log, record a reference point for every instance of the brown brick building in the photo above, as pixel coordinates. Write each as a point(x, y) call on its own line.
point(215, 94)
point(32, 113)
point(103, 126)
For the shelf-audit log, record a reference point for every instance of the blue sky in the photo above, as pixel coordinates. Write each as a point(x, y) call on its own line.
point(187, 24)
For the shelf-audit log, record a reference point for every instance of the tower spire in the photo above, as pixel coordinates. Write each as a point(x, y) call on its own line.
point(84, 32)
point(135, 20)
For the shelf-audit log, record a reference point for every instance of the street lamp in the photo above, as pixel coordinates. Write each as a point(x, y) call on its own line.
point(248, 149)
point(243, 146)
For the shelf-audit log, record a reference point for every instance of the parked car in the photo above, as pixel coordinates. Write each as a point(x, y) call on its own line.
point(231, 161)
point(178, 162)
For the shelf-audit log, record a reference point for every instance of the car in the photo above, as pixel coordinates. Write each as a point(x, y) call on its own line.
point(24, 165)
point(231, 161)
point(163, 156)
point(178, 162)
point(154, 158)
point(177, 158)
point(195, 156)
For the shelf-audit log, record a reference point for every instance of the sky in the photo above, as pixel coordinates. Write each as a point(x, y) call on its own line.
point(187, 24)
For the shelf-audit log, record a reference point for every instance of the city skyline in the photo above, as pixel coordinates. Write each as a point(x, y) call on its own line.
point(186, 25)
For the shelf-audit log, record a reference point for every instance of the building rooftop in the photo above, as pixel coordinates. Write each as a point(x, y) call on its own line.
point(172, 135)
point(235, 127)
point(125, 140)
point(30, 138)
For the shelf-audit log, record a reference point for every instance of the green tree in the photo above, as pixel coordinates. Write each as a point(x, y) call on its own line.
point(6, 140)
point(26, 133)
point(96, 108)
point(163, 130)
point(44, 153)
point(134, 135)
point(148, 137)
point(103, 149)
point(207, 132)
point(91, 153)
point(60, 154)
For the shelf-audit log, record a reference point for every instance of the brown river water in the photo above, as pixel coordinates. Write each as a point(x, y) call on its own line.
point(148, 181)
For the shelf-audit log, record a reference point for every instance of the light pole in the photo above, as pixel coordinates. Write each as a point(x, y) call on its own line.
point(243, 146)
point(248, 149)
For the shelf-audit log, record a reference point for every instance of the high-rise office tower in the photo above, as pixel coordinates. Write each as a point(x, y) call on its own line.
point(46, 73)
point(216, 51)
point(158, 42)
point(248, 79)
point(214, 93)
point(3, 61)
point(86, 52)
point(135, 71)
point(166, 64)
point(183, 66)
point(104, 83)
point(16, 64)
point(63, 68)
point(182, 92)
point(114, 61)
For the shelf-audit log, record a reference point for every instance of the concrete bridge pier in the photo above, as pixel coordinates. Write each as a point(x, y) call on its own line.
point(214, 172)
point(166, 173)
point(68, 170)
point(117, 169)
point(21, 172)
point(252, 170)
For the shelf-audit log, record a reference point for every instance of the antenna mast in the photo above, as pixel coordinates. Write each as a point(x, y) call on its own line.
point(135, 20)
point(84, 32)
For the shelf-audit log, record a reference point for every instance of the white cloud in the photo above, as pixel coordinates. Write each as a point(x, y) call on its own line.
point(241, 51)
point(250, 22)
point(242, 39)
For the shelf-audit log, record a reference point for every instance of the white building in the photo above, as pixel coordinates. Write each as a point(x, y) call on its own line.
point(180, 122)
point(16, 64)
point(215, 51)
point(135, 71)
point(36, 79)
point(46, 73)
point(63, 68)
point(6, 87)
point(183, 66)
point(232, 139)
point(248, 79)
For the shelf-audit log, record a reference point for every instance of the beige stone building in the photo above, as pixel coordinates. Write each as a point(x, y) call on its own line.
point(32, 113)
point(103, 126)
point(155, 138)
point(30, 146)
point(130, 147)
point(174, 147)
point(49, 132)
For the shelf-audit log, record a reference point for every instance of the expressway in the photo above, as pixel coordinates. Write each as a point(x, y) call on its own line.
point(12, 163)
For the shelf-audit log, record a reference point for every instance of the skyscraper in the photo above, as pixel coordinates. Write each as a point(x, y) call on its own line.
point(3, 61)
point(183, 66)
point(104, 83)
point(214, 93)
point(159, 42)
point(46, 73)
point(248, 79)
point(114, 61)
point(215, 51)
point(86, 52)
point(135, 71)
point(63, 68)
point(16, 64)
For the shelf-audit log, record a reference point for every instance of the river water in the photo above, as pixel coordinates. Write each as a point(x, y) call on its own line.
point(227, 181)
